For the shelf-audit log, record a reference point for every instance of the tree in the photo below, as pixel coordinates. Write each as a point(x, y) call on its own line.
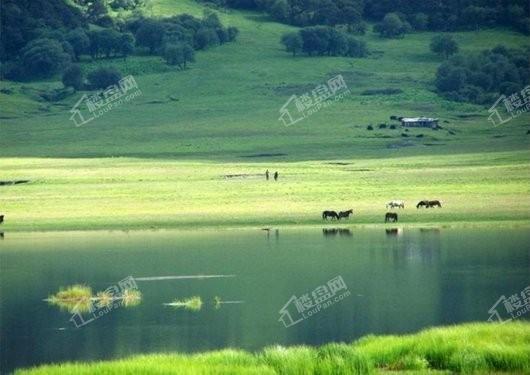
point(103, 77)
point(292, 42)
point(73, 77)
point(108, 41)
point(79, 40)
point(392, 26)
point(206, 37)
point(150, 34)
point(44, 57)
point(315, 39)
point(179, 54)
point(444, 45)
point(126, 44)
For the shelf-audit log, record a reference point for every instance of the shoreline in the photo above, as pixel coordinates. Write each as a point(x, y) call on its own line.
point(523, 223)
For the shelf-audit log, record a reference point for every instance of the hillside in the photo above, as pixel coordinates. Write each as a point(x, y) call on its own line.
point(226, 105)
point(165, 159)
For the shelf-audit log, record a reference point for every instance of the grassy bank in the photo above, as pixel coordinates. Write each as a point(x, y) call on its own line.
point(468, 348)
point(125, 193)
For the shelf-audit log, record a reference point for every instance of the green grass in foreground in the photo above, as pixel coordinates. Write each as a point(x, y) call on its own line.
point(467, 348)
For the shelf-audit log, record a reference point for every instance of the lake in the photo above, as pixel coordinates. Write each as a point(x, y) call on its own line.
point(367, 281)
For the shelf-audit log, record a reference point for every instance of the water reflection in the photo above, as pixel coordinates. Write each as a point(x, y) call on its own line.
point(331, 232)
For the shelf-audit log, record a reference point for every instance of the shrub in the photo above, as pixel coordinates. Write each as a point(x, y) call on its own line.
point(103, 77)
point(73, 77)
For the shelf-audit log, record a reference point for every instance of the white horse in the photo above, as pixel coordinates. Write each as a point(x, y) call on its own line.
point(395, 203)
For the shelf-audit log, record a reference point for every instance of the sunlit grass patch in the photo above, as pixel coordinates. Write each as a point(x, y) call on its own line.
point(481, 348)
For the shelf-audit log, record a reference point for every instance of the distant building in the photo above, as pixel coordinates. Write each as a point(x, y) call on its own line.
point(419, 122)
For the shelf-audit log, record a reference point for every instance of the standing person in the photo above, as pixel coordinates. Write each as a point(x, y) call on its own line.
point(267, 175)
point(275, 176)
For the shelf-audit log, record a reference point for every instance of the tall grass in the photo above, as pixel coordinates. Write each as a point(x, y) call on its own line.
point(482, 348)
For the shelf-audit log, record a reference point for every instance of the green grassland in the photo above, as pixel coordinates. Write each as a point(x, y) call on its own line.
point(467, 348)
point(160, 160)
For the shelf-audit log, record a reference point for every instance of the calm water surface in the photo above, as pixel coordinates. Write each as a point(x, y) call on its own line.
point(397, 282)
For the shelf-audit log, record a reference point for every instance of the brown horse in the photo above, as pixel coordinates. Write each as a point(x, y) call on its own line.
point(1, 219)
point(331, 214)
point(345, 214)
point(435, 203)
point(391, 217)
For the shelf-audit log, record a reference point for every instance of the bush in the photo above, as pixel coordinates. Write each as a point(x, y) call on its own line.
point(103, 78)
point(73, 77)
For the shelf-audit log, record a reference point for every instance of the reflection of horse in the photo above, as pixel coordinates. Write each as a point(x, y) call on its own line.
point(345, 214)
point(345, 232)
point(331, 214)
point(391, 217)
point(395, 203)
point(428, 204)
point(392, 231)
point(329, 232)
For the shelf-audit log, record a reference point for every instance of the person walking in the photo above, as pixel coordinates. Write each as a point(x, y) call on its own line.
point(275, 176)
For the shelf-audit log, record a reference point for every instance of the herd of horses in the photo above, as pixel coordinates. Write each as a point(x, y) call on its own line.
point(389, 216)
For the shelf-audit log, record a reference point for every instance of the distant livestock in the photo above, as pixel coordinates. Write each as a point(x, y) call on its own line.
point(1, 219)
point(395, 203)
point(428, 204)
point(345, 214)
point(391, 217)
point(331, 214)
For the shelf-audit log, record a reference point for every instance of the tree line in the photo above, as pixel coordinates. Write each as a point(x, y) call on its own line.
point(447, 15)
point(323, 41)
point(481, 78)
point(41, 45)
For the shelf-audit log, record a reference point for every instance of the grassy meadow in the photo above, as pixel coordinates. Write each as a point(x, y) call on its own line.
point(467, 348)
point(160, 160)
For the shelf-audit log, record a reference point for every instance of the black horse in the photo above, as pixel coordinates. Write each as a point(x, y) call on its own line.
point(345, 214)
point(429, 204)
point(1, 219)
point(331, 214)
point(391, 217)
point(435, 203)
point(423, 204)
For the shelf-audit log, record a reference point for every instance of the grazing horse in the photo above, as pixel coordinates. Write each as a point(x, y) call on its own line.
point(395, 203)
point(435, 203)
point(429, 204)
point(423, 204)
point(1, 219)
point(345, 214)
point(331, 214)
point(391, 217)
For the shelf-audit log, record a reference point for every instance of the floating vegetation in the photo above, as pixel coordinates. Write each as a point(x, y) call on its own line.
point(73, 298)
point(192, 304)
point(131, 297)
point(80, 299)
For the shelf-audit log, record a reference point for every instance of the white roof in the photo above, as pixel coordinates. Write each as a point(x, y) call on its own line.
point(417, 119)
